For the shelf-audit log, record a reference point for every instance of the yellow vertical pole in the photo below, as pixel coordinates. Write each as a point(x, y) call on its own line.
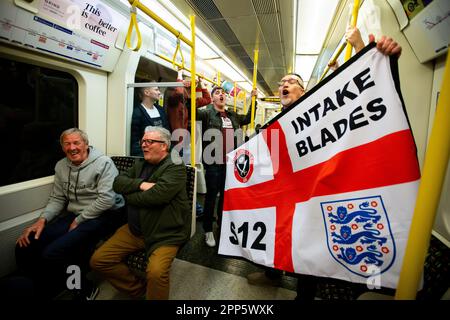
point(193, 94)
point(255, 73)
point(348, 49)
point(436, 161)
point(218, 78)
point(333, 60)
point(235, 96)
point(245, 102)
point(244, 128)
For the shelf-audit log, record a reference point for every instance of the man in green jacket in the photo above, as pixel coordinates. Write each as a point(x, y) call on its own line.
point(220, 137)
point(159, 219)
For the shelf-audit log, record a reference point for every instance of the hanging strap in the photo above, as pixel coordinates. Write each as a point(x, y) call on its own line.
point(176, 51)
point(133, 23)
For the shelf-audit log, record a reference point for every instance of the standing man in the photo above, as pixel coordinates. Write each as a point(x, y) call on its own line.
point(159, 219)
point(82, 209)
point(291, 89)
point(177, 102)
point(223, 124)
point(147, 113)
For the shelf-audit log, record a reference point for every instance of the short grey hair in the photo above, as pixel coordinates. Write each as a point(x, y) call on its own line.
point(163, 133)
point(80, 132)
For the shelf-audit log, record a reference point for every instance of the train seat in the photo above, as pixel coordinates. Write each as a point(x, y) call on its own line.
point(137, 261)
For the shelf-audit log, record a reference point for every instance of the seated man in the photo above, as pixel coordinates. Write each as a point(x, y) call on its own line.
point(159, 219)
point(82, 209)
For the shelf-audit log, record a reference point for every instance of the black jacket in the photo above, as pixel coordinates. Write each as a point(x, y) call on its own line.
point(139, 120)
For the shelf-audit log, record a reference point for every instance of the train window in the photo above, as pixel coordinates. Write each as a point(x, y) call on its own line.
point(36, 105)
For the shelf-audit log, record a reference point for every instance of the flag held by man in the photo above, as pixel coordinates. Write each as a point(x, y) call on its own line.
point(329, 187)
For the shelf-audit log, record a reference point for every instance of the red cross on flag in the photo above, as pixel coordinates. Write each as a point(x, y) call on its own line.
point(328, 188)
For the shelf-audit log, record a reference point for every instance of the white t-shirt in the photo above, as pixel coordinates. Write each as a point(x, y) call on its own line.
point(153, 112)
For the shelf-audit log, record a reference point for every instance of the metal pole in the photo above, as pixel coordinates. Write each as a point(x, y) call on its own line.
point(255, 73)
point(193, 94)
point(333, 60)
point(162, 22)
point(348, 50)
point(436, 161)
point(235, 96)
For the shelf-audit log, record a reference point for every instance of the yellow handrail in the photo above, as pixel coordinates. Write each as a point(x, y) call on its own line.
point(133, 23)
point(245, 102)
point(193, 94)
point(348, 50)
point(333, 60)
point(235, 96)
point(436, 161)
point(163, 23)
point(255, 73)
point(183, 67)
point(244, 128)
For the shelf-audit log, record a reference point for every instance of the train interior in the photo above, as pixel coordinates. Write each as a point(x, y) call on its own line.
point(46, 90)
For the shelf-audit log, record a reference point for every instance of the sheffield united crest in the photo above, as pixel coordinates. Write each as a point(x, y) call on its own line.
point(243, 165)
point(359, 235)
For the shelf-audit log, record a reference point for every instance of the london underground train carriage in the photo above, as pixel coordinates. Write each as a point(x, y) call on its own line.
point(94, 96)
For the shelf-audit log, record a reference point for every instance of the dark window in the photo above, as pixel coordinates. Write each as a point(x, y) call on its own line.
point(36, 105)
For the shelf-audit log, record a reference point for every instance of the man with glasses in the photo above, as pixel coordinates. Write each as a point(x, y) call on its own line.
point(159, 219)
point(290, 89)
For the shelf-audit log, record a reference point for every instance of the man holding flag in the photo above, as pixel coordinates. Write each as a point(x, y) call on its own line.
point(292, 147)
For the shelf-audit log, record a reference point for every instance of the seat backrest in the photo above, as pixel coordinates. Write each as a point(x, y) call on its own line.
point(123, 163)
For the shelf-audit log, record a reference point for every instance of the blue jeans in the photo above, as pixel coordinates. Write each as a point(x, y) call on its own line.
point(46, 259)
point(215, 183)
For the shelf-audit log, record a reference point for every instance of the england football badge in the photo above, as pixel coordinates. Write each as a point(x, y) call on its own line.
point(243, 165)
point(359, 235)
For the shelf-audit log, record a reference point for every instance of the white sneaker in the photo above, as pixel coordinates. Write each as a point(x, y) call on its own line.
point(209, 238)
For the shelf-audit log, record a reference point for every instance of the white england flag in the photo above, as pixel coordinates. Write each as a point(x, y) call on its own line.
point(328, 188)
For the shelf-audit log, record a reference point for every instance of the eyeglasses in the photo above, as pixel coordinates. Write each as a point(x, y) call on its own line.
point(149, 142)
point(290, 81)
